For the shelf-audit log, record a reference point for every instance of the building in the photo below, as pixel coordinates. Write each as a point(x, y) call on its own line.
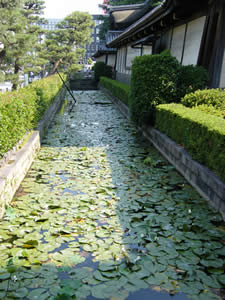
point(193, 31)
point(51, 25)
point(105, 54)
point(93, 46)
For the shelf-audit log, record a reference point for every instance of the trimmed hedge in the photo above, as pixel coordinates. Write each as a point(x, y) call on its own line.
point(160, 79)
point(46, 90)
point(21, 110)
point(101, 69)
point(153, 82)
point(117, 88)
point(191, 78)
point(201, 134)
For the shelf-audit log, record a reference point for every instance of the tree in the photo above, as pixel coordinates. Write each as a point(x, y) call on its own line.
point(19, 35)
point(64, 48)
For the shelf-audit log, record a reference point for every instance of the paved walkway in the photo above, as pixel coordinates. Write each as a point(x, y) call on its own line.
point(101, 215)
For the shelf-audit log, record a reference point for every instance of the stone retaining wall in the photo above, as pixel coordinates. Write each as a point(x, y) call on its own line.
point(19, 161)
point(208, 185)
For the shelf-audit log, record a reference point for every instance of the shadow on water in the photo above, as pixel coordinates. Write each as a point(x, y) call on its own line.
point(102, 215)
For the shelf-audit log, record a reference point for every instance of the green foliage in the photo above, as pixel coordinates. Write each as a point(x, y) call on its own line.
point(201, 134)
point(101, 69)
point(46, 91)
point(103, 27)
point(210, 101)
point(210, 109)
point(153, 82)
point(20, 37)
point(64, 48)
point(21, 110)
point(117, 88)
point(214, 97)
point(190, 79)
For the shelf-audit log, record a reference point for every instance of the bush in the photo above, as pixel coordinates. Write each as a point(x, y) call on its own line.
point(153, 82)
point(21, 110)
point(46, 90)
point(201, 134)
point(101, 69)
point(17, 112)
point(190, 79)
point(117, 88)
point(213, 97)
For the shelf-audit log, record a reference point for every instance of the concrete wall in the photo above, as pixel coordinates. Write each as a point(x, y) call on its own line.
point(17, 163)
point(222, 78)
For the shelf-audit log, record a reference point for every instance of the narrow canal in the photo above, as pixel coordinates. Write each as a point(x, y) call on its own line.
point(101, 215)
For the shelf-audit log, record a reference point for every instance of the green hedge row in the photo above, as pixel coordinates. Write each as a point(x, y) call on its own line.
point(21, 110)
point(160, 79)
point(201, 134)
point(118, 89)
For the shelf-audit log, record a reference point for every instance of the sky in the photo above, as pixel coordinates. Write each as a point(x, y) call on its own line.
point(59, 9)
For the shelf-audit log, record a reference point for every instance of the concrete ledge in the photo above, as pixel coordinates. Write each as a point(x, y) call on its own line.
point(19, 161)
point(208, 185)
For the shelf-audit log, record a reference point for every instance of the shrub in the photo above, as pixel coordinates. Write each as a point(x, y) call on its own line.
point(117, 88)
point(213, 97)
point(17, 112)
point(201, 134)
point(101, 69)
point(153, 82)
point(46, 91)
point(21, 110)
point(190, 79)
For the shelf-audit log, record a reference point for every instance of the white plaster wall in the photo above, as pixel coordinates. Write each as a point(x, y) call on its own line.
point(118, 62)
point(222, 77)
point(166, 39)
point(101, 58)
point(111, 60)
point(193, 41)
point(131, 54)
point(123, 59)
point(177, 42)
point(147, 50)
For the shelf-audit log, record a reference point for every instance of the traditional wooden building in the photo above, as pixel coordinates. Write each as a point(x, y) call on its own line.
point(193, 31)
point(106, 54)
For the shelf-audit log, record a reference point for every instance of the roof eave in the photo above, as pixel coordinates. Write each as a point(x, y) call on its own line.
point(160, 10)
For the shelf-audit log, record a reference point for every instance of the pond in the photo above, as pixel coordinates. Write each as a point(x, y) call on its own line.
point(101, 215)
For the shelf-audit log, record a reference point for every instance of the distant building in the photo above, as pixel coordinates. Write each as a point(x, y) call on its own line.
point(51, 25)
point(92, 47)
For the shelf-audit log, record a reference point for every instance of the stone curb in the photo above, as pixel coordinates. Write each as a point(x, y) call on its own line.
point(19, 162)
point(207, 184)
